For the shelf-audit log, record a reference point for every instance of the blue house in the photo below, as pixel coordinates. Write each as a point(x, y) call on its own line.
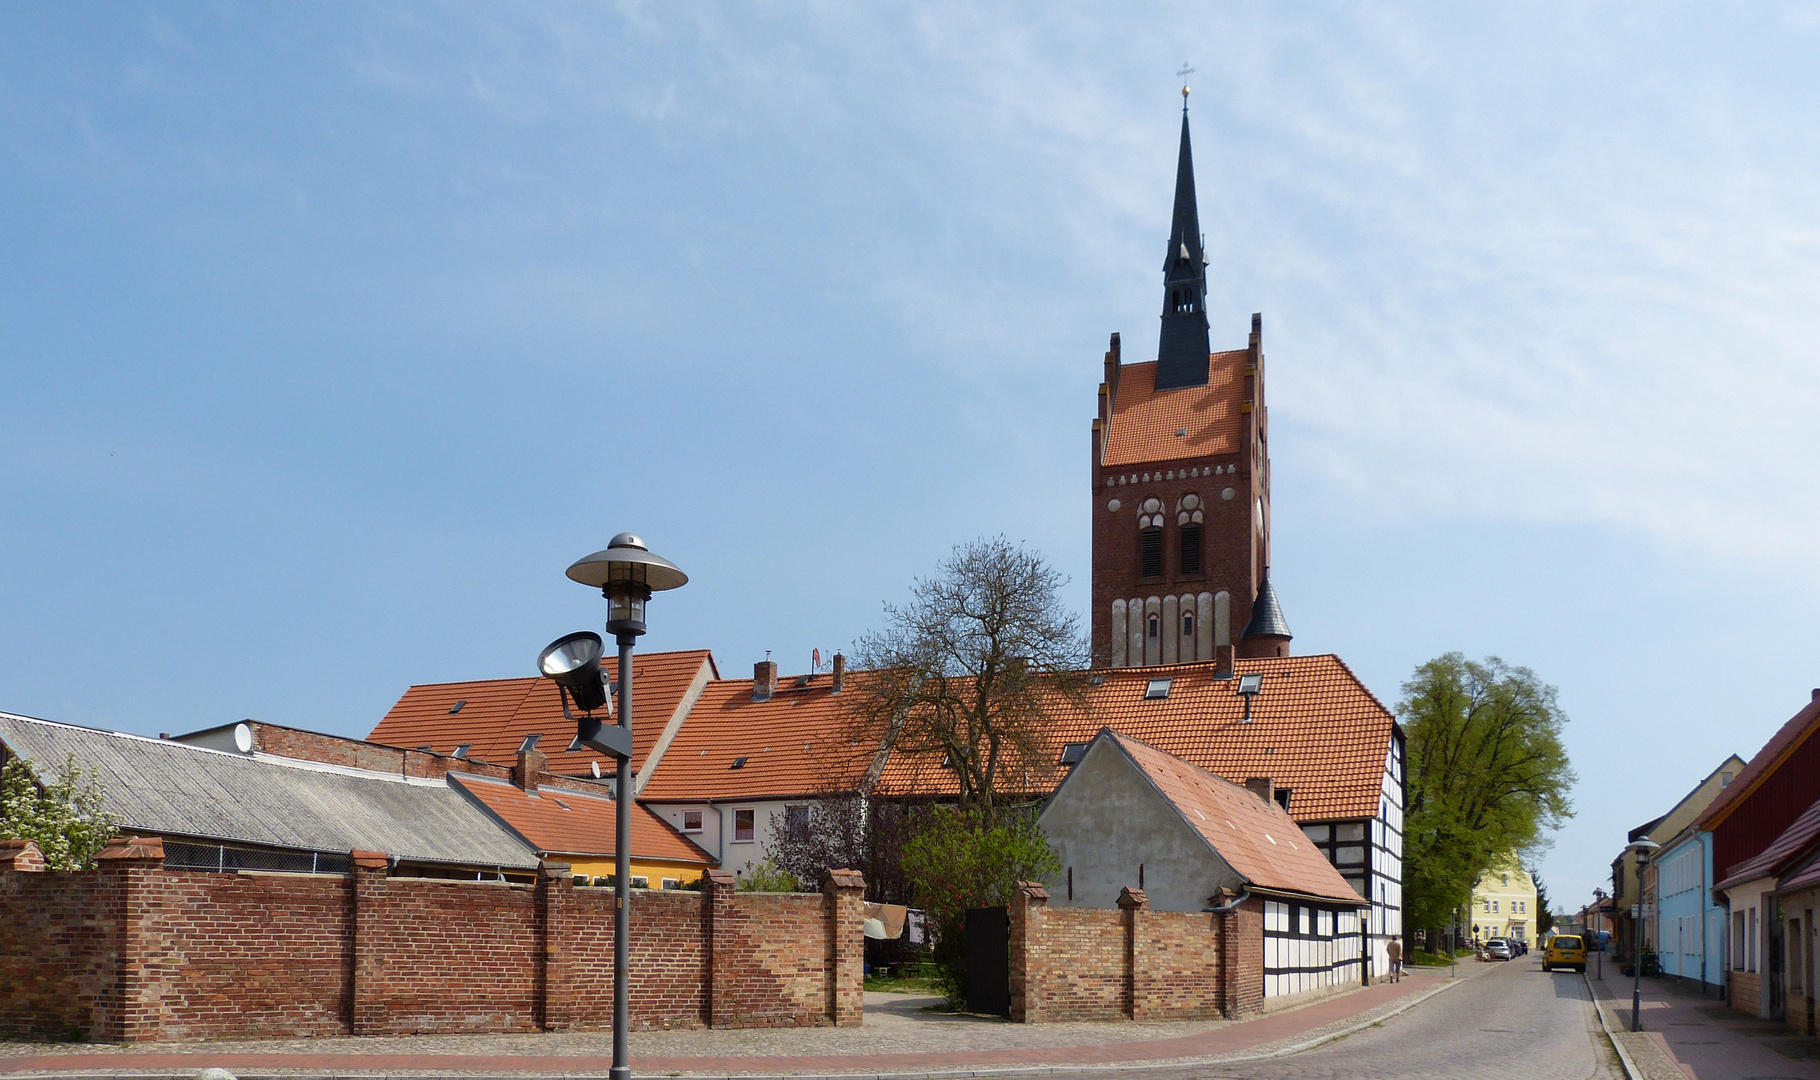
point(1688, 930)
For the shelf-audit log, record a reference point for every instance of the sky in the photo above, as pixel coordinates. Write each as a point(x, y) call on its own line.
point(331, 334)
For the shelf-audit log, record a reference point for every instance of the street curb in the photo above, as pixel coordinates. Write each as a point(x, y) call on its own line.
point(1630, 1067)
point(936, 1074)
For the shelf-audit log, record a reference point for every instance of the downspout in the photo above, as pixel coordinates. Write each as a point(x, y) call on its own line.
point(1705, 915)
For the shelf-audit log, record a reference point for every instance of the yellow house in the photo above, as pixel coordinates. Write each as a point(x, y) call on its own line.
point(1504, 903)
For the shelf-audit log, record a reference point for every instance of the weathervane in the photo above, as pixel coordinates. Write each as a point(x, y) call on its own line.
point(1183, 74)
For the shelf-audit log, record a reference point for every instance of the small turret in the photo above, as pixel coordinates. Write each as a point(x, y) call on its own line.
point(1267, 634)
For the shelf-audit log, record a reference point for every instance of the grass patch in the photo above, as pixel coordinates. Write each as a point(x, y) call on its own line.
point(1422, 958)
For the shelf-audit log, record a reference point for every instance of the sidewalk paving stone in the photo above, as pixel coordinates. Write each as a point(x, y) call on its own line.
point(1687, 1035)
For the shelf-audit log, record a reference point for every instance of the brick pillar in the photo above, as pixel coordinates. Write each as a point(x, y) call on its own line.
point(21, 857)
point(722, 921)
point(130, 866)
point(846, 950)
point(1029, 997)
point(1132, 905)
point(554, 1003)
point(367, 1005)
point(1241, 957)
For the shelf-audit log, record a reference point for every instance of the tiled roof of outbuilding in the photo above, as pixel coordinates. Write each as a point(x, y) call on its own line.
point(567, 822)
point(1145, 420)
point(499, 713)
point(1254, 836)
point(1314, 729)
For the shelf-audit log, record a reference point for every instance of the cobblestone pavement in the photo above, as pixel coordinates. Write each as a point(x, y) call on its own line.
point(1513, 1023)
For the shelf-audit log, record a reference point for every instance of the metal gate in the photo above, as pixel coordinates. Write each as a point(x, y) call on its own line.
point(989, 960)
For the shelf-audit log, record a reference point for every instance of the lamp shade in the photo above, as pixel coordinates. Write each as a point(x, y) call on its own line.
point(573, 663)
point(627, 559)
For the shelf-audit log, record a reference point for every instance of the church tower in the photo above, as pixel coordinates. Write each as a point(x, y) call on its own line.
point(1181, 480)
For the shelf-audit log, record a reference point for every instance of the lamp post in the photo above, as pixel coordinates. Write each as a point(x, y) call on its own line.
point(626, 573)
point(1599, 910)
point(1643, 849)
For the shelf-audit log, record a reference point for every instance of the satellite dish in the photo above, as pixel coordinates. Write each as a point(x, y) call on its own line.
point(243, 738)
point(595, 765)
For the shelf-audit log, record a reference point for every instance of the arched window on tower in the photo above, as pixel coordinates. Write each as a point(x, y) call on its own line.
point(1150, 539)
point(1188, 518)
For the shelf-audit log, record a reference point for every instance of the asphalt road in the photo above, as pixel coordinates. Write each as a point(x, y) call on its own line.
point(1512, 1023)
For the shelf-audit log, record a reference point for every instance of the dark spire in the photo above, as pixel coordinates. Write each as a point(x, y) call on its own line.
point(1266, 614)
point(1182, 349)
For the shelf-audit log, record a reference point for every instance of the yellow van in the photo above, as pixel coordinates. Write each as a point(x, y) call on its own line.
point(1565, 951)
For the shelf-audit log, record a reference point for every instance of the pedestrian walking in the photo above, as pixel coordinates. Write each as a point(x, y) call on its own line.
point(1395, 950)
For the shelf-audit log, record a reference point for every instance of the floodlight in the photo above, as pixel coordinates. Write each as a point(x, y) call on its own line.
point(572, 662)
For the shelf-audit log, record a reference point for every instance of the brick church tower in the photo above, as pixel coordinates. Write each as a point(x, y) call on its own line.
point(1181, 481)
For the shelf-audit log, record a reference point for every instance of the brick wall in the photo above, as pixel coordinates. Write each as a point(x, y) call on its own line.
point(1086, 963)
point(1746, 992)
point(136, 952)
point(58, 936)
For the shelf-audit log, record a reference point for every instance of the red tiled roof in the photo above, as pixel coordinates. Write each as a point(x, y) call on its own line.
point(791, 744)
point(1252, 834)
point(560, 821)
point(1783, 850)
point(1314, 729)
point(499, 713)
point(1145, 420)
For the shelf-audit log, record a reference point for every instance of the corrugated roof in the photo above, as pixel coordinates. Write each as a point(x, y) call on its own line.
point(1314, 729)
point(1783, 743)
point(173, 789)
point(562, 821)
point(1145, 420)
point(1255, 837)
point(499, 713)
point(791, 745)
point(1782, 851)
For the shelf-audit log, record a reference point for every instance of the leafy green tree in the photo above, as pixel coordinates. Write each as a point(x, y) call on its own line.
point(959, 859)
point(1488, 777)
point(66, 817)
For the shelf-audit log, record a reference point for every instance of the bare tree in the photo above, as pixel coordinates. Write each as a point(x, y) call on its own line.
point(972, 674)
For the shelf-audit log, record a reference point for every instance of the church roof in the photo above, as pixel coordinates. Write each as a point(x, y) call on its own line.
point(1266, 614)
point(1145, 421)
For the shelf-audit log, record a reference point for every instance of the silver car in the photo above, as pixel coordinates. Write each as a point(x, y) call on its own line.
point(1499, 949)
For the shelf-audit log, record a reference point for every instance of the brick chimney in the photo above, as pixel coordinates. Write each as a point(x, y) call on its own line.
point(764, 680)
point(1222, 661)
point(1263, 787)
point(840, 672)
point(531, 765)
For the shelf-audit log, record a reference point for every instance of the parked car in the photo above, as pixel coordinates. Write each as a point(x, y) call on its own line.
point(1565, 951)
point(1498, 949)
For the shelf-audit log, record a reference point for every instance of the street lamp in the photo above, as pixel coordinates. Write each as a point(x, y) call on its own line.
point(626, 573)
point(1599, 915)
point(1643, 848)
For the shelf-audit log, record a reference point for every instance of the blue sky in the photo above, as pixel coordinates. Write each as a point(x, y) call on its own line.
point(332, 334)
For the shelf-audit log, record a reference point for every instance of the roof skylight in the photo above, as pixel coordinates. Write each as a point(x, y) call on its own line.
point(1157, 689)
